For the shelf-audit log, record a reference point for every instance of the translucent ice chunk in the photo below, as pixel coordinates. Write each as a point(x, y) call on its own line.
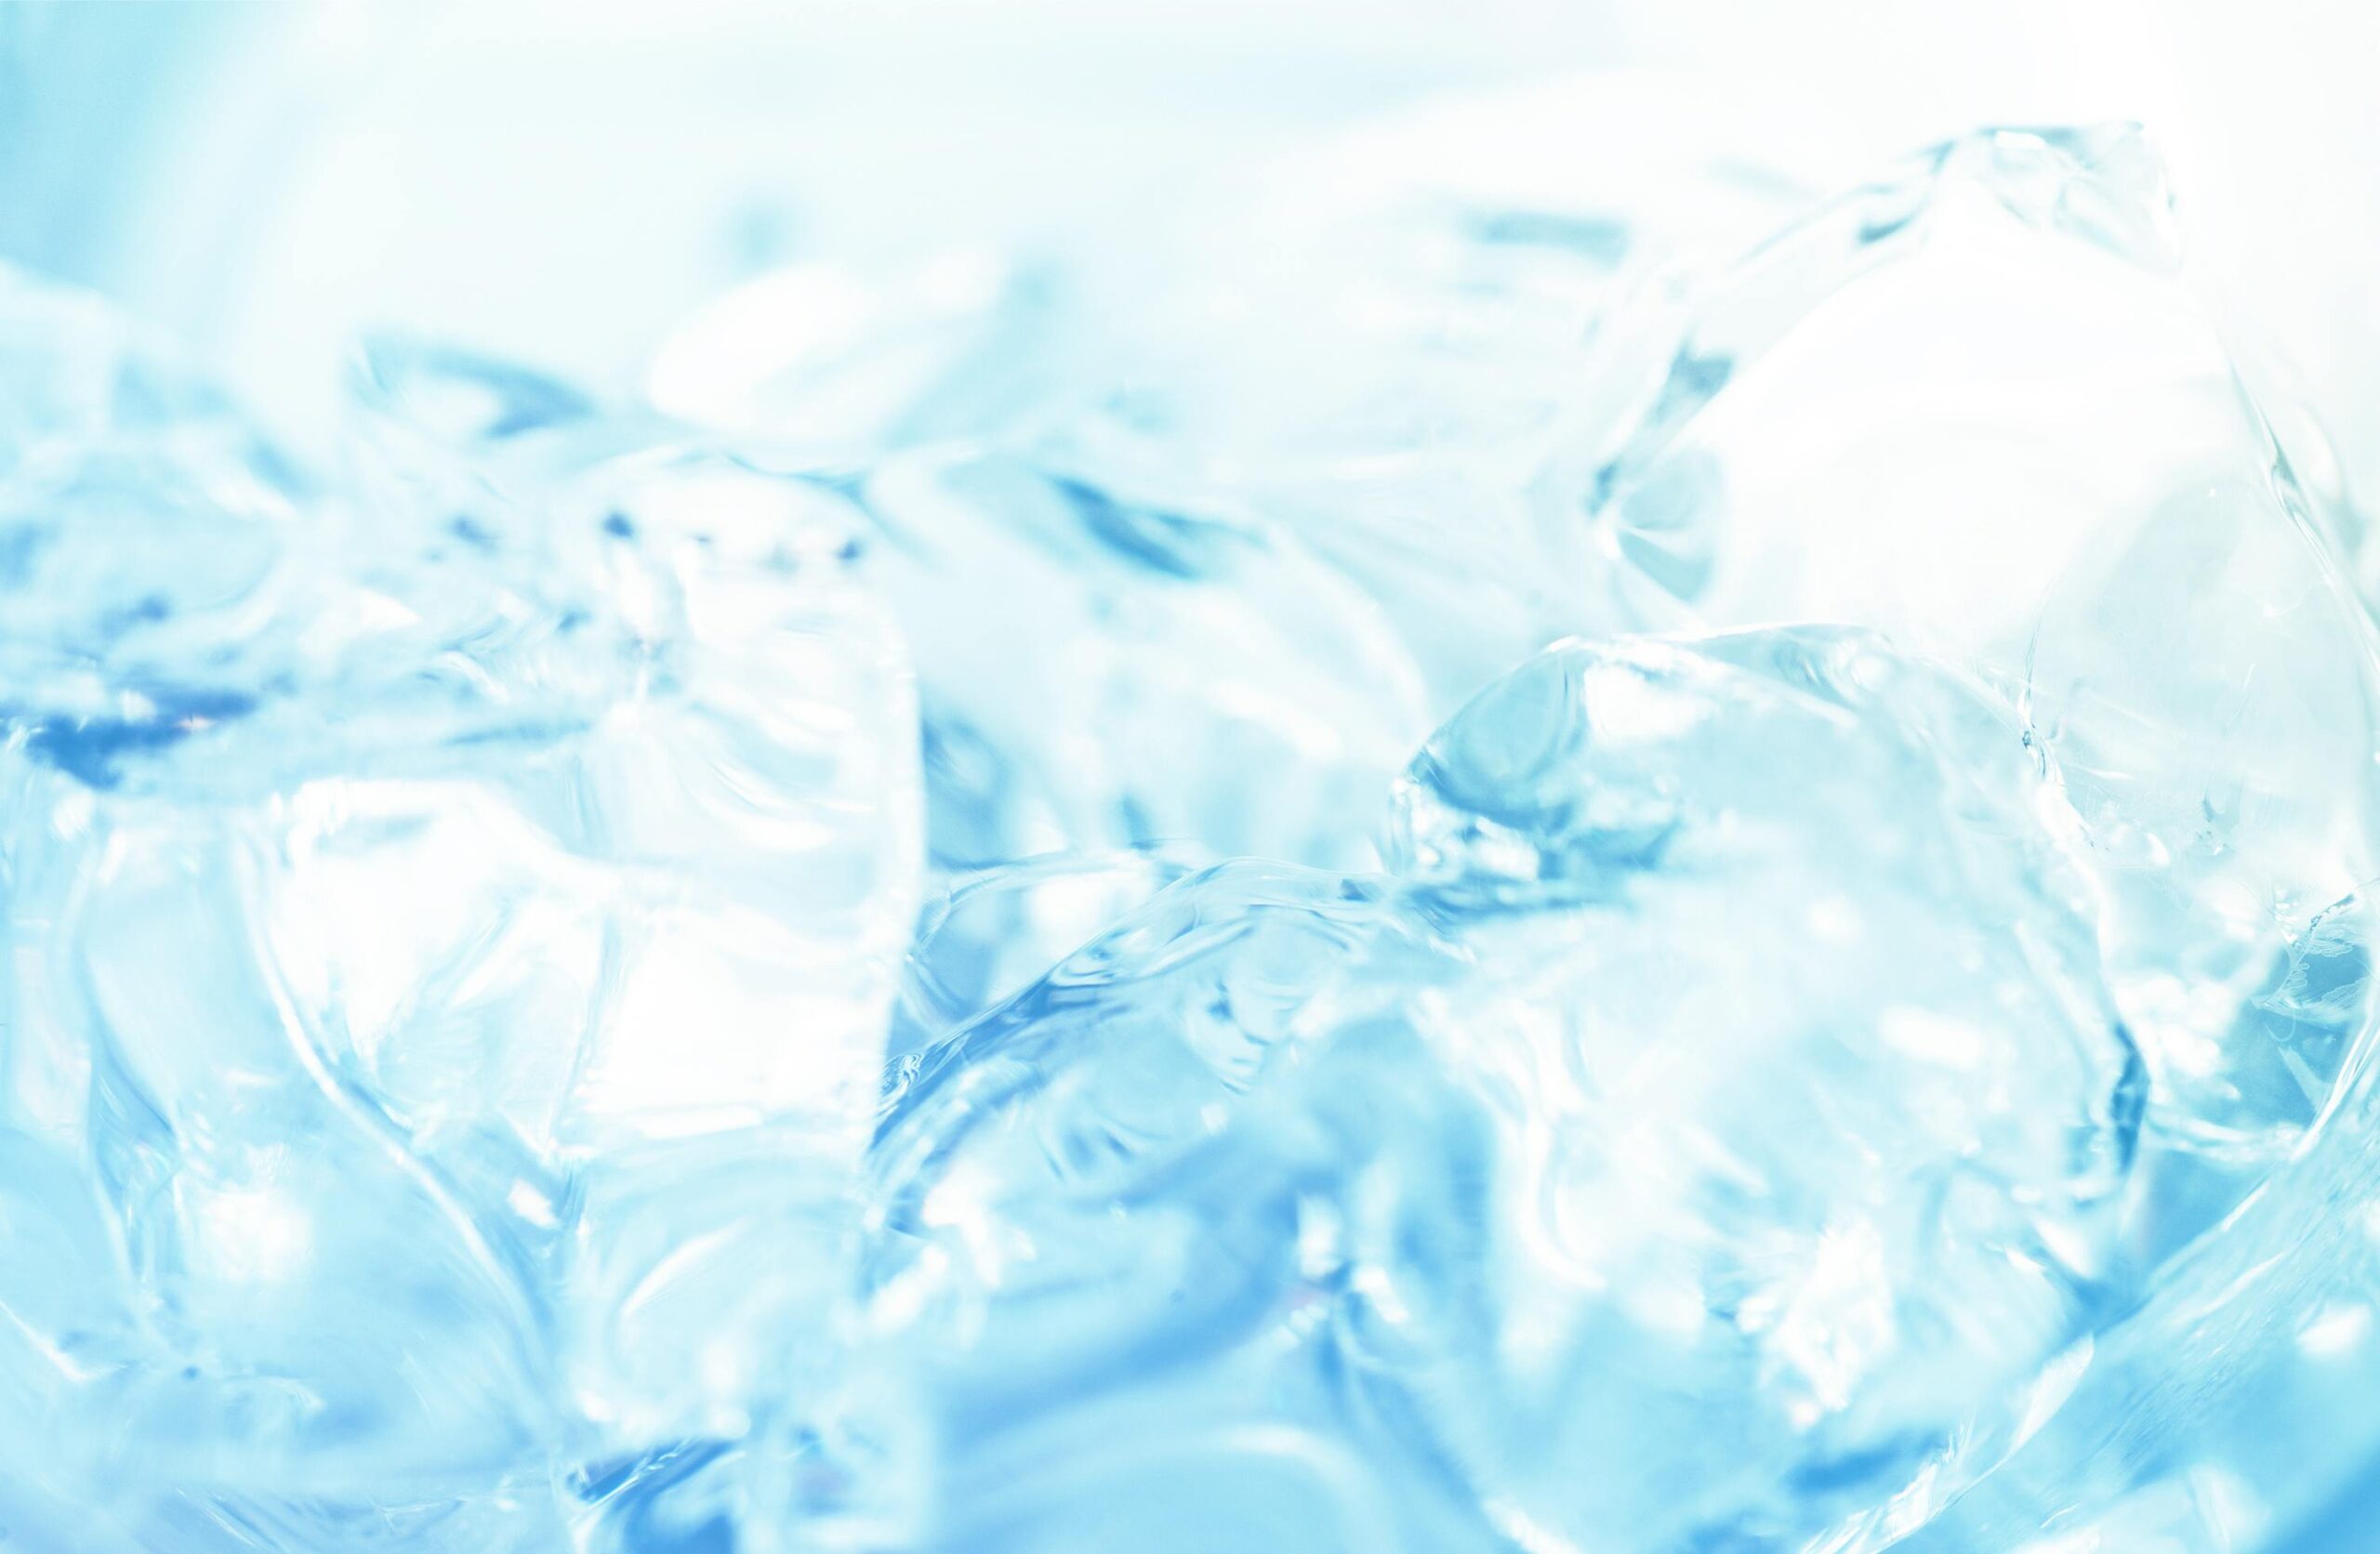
point(1735, 1183)
point(1128, 1054)
point(743, 771)
point(1084, 1243)
point(722, 979)
point(121, 636)
point(1812, 880)
point(997, 929)
point(1592, 763)
point(445, 946)
point(2237, 1395)
point(1099, 672)
point(1977, 407)
point(216, 1197)
point(2308, 1026)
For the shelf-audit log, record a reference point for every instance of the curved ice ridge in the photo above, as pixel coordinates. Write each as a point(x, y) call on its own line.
point(901, 966)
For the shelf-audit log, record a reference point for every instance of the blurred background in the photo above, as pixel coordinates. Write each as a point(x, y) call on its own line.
point(559, 181)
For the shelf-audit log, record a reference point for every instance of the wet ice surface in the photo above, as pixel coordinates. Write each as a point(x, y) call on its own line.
point(1554, 877)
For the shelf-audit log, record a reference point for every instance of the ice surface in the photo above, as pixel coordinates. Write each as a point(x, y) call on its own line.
point(878, 952)
point(1760, 1159)
point(1975, 406)
point(420, 908)
point(1098, 669)
point(997, 929)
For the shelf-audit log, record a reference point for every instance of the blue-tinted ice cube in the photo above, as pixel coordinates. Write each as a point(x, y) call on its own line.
point(1106, 1271)
point(1785, 997)
point(1977, 407)
point(1732, 1183)
point(2234, 1399)
point(421, 903)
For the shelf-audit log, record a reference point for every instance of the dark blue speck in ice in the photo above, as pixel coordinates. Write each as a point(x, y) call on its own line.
point(93, 748)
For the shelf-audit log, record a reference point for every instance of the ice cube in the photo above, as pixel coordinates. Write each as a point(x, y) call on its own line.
point(1085, 1246)
point(421, 900)
point(1825, 1109)
point(2236, 1393)
point(1732, 1183)
point(1977, 405)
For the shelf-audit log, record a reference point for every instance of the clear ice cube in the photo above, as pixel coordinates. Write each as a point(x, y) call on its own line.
point(1977, 406)
point(420, 902)
point(1763, 1157)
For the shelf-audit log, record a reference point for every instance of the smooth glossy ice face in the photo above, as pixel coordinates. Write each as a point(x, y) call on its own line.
point(817, 978)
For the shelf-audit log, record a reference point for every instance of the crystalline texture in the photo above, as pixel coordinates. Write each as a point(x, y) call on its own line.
point(1976, 407)
point(2188, 1422)
point(998, 929)
point(1100, 671)
point(1677, 1158)
point(1104, 1266)
point(1898, 1079)
point(417, 919)
point(1840, 1139)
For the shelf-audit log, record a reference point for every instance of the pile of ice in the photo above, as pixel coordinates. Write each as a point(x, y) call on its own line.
point(880, 953)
